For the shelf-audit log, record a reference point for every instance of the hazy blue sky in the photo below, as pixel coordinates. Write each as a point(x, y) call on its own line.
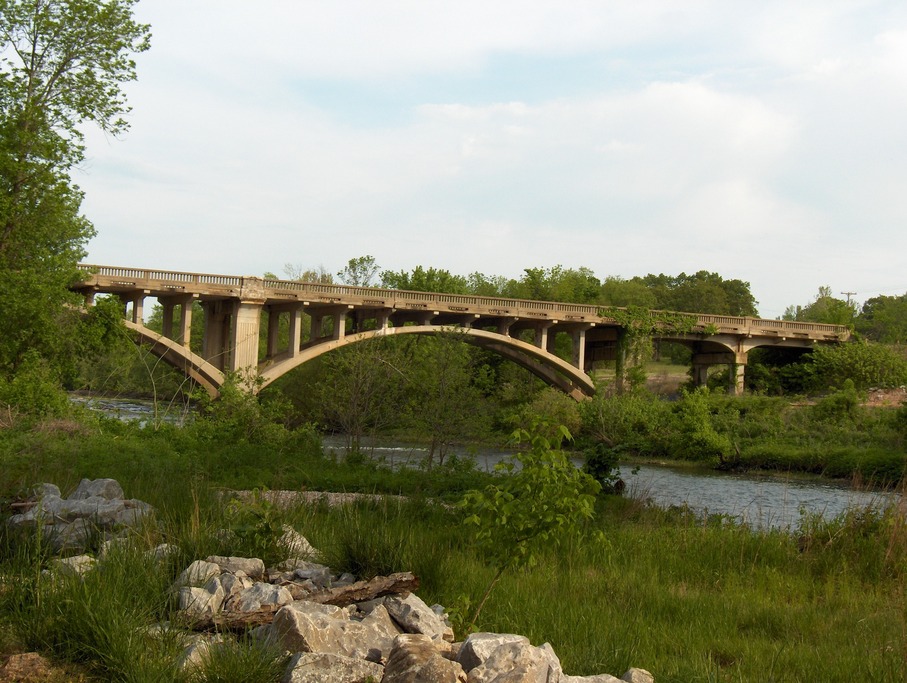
point(764, 140)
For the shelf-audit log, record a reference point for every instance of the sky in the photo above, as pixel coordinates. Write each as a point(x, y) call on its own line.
point(765, 140)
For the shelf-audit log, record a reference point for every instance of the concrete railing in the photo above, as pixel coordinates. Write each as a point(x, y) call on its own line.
point(395, 298)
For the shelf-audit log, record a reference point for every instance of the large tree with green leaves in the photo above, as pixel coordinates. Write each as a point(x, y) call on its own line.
point(62, 64)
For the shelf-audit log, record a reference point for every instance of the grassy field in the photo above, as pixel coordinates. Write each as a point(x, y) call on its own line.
point(686, 598)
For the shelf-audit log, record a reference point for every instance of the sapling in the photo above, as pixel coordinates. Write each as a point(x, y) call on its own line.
point(545, 499)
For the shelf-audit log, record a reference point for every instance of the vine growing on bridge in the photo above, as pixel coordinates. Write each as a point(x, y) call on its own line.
point(639, 325)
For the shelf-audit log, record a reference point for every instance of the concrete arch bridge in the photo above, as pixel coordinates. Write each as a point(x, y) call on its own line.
point(520, 330)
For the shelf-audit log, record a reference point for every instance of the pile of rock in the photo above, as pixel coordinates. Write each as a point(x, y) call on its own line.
point(391, 636)
point(335, 629)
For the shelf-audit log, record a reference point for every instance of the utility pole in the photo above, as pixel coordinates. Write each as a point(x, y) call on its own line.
point(848, 295)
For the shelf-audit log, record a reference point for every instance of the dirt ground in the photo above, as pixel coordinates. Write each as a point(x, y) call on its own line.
point(30, 667)
point(882, 398)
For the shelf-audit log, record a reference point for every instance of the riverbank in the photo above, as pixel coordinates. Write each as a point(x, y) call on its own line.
point(692, 598)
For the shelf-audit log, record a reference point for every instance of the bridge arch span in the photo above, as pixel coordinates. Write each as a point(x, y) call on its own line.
point(546, 366)
point(180, 357)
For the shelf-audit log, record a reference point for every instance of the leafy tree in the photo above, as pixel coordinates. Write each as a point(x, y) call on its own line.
point(445, 403)
point(425, 280)
point(702, 292)
point(619, 292)
point(299, 273)
point(361, 388)
point(360, 271)
point(61, 64)
point(486, 285)
point(884, 319)
point(824, 309)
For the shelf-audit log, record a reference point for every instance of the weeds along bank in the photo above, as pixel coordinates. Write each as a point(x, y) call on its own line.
point(690, 599)
point(836, 435)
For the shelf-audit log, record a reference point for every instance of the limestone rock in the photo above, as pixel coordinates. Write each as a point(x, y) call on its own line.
point(202, 603)
point(309, 627)
point(79, 564)
point(308, 667)
point(635, 675)
point(416, 659)
point(103, 488)
point(598, 678)
point(414, 616)
point(253, 567)
point(259, 595)
point(197, 652)
point(296, 545)
point(514, 662)
point(196, 574)
point(479, 646)
point(318, 574)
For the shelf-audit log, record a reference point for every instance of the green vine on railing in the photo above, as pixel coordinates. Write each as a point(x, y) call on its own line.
point(642, 321)
point(634, 345)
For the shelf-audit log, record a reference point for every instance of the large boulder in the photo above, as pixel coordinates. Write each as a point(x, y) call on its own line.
point(478, 647)
point(103, 488)
point(201, 604)
point(197, 574)
point(309, 667)
point(414, 616)
point(310, 627)
point(259, 595)
point(415, 658)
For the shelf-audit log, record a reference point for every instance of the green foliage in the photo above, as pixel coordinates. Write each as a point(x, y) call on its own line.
point(702, 292)
point(603, 464)
point(884, 319)
point(541, 498)
point(824, 309)
point(696, 437)
point(425, 280)
point(866, 364)
point(633, 422)
point(360, 272)
point(256, 522)
point(62, 64)
point(35, 388)
point(240, 415)
point(840, 405)
point(246, 660)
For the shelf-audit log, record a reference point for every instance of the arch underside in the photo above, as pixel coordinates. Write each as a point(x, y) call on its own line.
point(178, 356)
point(548, 367)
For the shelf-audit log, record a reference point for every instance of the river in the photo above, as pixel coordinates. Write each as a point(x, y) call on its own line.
point(761, 501)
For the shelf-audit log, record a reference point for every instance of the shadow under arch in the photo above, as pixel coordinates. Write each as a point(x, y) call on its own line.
point(546, 366)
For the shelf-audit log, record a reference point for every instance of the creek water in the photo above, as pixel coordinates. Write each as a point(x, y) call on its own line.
point(760, 501)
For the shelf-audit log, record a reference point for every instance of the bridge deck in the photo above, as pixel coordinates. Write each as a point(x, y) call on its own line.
point(160, 283)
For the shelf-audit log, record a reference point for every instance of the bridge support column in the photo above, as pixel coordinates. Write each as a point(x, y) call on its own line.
point(138, 305)
point(217, 329)
point(244, 340)
point(737, 372)
point(541, 334)
point(700, 374)
point(578, 338)
point(184, 301)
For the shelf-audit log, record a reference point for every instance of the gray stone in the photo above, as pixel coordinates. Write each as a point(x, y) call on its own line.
point(598, 678)
point(318, 574)
point(259, 595)
point(70, 535)
point(202, 603)
point(78, 564)
point(296, 545)
point(514, 662)
point(308, 667)
point(308, 627)
point(197, 652)
point(345, 579)
point(234, 585)
point(45, 489)
point(103, 488)
point(635, 675)
point(163, 552)
point(479, 646)
point(415, 658)
point(414, 616)
point(253, 567)
point(197, 574)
